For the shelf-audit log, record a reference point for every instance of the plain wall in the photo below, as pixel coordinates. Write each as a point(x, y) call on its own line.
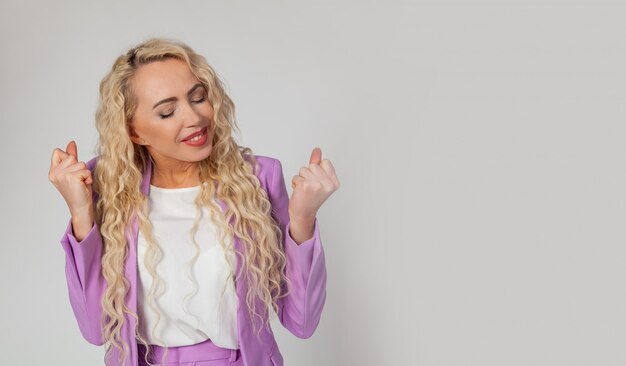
point(479, 144)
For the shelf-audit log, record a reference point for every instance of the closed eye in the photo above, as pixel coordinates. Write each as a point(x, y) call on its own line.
point(164, 116)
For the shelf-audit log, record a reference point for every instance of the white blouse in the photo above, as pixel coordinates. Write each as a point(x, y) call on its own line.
point(213, 314)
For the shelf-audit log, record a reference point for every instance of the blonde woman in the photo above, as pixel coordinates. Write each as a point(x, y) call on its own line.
point(181, 243)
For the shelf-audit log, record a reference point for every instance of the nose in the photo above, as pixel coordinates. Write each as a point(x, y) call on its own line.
point(190, 116)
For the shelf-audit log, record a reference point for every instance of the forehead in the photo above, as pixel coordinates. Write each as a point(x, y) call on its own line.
point(162, 79)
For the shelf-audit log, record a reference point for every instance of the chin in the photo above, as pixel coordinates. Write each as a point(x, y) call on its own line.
point(204, 153)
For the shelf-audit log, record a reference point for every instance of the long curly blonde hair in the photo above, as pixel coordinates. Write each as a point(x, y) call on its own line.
point(229, 168)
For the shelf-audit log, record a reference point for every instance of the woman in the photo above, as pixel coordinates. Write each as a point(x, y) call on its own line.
point(170, 186)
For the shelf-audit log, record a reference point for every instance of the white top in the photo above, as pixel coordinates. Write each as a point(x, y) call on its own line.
point(213, 314)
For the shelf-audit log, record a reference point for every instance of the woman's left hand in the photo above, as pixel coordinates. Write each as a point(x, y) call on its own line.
point(311, 187)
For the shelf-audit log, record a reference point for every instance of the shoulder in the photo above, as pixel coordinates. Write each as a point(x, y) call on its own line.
point(265, 168)
point(91, 164)
point(264, 161)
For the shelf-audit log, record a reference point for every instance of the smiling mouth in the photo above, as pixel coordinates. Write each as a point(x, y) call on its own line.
point(197, 135)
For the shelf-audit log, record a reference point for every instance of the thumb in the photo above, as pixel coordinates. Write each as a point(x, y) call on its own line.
point(316, 156)
point(71, 149)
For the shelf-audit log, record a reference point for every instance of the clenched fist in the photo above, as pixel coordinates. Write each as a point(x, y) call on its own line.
point(312, 186)
point(73, 179)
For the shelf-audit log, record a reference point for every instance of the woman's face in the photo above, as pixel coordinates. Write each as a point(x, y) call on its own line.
point(171, 105)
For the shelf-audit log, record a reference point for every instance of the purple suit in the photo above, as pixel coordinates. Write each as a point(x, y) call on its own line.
point(299, 312)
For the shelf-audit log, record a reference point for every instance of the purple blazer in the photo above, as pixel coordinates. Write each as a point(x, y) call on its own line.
point(299, 312)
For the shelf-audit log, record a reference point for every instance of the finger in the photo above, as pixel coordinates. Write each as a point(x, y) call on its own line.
point(319, 172)
point(325, 179)
point(68, 161)
point(77, 166)
point(316, 156)
point(71, 149)
point(330, 170)
point(57, 156)
point(306, 173)
point(296, 180)
point(83, 174)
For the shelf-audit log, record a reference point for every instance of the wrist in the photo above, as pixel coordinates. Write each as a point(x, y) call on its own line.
point(82, 224)
point(82, 215)
point(301, 229)
point(301, 218)
point(80, 211)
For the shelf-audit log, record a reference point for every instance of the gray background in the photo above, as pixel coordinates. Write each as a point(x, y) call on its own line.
point(480, 147)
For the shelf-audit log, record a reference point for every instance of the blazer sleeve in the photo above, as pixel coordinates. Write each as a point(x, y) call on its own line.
point(300, 311)
point(85, 282)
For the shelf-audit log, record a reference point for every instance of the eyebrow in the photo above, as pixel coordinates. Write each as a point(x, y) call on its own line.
point(174, 98)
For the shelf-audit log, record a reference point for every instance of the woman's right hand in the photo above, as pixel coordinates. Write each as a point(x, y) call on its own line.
point(73, 179)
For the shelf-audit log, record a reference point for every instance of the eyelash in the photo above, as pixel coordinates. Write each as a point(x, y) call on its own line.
point(169, 115)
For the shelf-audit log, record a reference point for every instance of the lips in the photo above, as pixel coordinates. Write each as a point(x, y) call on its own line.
point(200, 132)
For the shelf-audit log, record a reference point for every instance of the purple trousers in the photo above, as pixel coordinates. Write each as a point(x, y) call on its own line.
point(202, 354)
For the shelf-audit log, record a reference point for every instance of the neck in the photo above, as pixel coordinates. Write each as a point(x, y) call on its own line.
point(174, 174)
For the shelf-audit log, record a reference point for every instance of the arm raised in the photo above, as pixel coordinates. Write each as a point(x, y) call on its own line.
point(300, 311)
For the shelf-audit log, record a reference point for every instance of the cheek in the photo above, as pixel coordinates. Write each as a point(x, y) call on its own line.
point(207, 110)
point(164, 132)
